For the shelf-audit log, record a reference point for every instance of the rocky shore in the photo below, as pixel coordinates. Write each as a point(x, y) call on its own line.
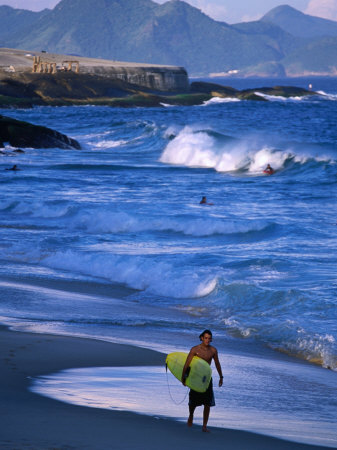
point(39, 78)
point(24, 90)
point(17, 133)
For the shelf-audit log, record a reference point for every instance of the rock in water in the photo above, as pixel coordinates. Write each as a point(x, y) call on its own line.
point(23, 134)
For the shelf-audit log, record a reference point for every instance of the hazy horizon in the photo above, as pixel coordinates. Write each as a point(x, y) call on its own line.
point(230, 11)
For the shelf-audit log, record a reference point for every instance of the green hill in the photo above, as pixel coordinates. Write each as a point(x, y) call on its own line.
point(172, 33)
point(299, 24)
point(317, 56)
point(143, 31)
point(16, 22)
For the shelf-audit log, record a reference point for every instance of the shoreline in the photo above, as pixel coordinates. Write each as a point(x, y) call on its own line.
point(31, 420)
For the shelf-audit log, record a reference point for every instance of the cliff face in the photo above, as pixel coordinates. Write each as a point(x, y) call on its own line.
point(24, 89)
point(150, 76)
point(166, 79)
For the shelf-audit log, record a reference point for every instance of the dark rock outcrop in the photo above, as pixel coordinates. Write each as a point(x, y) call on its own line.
point(67, 89)
point(282, 91)
point(24, 134)
point(208, 88)
point(26, 89)
point(59, 89)
point(217, 90)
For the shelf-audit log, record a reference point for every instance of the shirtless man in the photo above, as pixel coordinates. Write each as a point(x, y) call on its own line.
point(207, 352)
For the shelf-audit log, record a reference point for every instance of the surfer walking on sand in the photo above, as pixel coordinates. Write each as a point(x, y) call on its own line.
point(206, 352)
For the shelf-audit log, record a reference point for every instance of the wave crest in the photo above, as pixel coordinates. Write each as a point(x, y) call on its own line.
point(148, 274)
point(105, 221)
point(205, 148)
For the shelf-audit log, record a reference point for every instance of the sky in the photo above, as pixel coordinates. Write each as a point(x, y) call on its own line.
point(230, 11)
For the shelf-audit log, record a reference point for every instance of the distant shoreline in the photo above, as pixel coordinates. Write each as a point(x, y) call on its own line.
point(25, 90)
point(30, 79)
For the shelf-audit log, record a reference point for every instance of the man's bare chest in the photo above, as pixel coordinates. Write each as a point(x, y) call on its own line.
point(206, 354)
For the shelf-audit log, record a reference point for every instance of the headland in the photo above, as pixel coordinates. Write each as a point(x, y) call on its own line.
point(38, 78)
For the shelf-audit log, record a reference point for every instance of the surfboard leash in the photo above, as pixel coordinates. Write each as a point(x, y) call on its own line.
point(169, 390)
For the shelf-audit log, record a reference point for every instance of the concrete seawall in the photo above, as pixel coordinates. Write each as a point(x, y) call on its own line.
point(167, 79)
point(152, 76)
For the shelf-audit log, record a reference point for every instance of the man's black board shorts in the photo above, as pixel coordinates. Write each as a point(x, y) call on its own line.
point(202, 398)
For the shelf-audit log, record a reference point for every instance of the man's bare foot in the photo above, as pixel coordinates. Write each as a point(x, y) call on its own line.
point(205, 429)
point(190, 421)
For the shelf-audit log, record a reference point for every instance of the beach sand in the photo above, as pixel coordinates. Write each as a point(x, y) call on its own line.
point(31, 421)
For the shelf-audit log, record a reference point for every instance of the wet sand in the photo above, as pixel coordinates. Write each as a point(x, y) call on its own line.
point(31, 421)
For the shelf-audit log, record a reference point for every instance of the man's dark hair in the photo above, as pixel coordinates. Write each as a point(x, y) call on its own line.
point(205, 332)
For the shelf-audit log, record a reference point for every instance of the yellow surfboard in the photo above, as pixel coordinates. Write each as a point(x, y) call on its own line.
point(200, 373)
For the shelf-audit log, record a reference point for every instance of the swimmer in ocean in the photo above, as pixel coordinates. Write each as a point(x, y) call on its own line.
point(15, 167)
point(204, 201)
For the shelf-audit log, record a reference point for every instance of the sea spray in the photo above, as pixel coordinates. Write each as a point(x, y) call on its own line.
point(203, 148)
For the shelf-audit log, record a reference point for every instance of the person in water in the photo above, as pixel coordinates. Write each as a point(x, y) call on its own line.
point(269, 169)
point(204, 201)
point(15, 167)
point(206, 352)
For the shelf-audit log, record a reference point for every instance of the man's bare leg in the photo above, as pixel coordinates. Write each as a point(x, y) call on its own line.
point(190, 417)
point(206, 416)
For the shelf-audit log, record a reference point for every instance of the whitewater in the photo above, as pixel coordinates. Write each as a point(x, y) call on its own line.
point(111, 241)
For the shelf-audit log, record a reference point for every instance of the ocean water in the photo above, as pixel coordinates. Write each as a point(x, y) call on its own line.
point(111, 242)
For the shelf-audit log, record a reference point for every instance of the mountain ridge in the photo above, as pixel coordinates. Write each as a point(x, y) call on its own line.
point(299, 24)
point(175, 33)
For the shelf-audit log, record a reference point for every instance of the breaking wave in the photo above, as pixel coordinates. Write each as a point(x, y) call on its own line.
point(218, 100)
point(108, 220)
point(141, 273)
point(327, 96)
point(280, 98)
point(204, 148)
point(104, 221)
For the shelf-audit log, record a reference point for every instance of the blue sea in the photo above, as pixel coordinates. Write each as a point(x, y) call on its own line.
point(111, 242)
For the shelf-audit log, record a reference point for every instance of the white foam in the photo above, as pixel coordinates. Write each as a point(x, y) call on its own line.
point(105, 221)
point(218, 100)
point(156, 277)
point(314, 347)
point(280, 98)
point(109, 143)
point(171, 130)
point(199, 149)
point(265, 156)
point(39, 208)
point(327, 96)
